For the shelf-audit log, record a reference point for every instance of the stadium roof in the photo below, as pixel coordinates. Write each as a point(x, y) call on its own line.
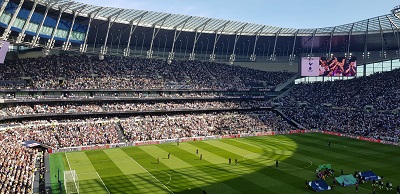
point(380, 24)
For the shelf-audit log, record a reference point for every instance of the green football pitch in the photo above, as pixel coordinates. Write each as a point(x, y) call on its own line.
point(136, 169)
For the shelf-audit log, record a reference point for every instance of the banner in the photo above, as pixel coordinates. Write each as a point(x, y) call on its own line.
point(319, 185)
point(346, 180)
point(369, 175)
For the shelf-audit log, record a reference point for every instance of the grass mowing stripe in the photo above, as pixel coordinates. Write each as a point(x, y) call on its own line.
point(201, 178)
point(217, 155)
point(316, 149)
point(112, 176)
point(361, 153)
point(75, 181)
point(295, 160)
point(88, 180)
point(153, 176)
point(373, 148)
point(215, 170)
point(56, 171)
point(337, 156)
point(349, 154)
point(140, 177)
point(263, 163)
point(177, 181)
point(302, 176)
point(365, 188)
point(102, 182)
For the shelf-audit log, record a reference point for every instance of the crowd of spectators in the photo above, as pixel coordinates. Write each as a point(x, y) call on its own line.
point(365, 106)
point(17, 165)
point(380, 90)
point(83, 72)
point(140, 128)
point(62, 108)
point(194, 125)
point(371, 124)
point(120, 95)
point(67, 134)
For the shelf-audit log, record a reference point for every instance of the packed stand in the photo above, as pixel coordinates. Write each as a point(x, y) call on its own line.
point(83, 72)
point(62, 108)
point(17, 164)
point(68, 134)
point(194, 125)
point(372, 124)
point(381, 90)
point(119, 95)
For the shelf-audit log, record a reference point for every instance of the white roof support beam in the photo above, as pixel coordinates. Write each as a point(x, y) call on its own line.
point(67, 44)
point(111, 21)
point(330, 42)
point(155, 32)
point(293, 56)
point(7, 31)
point(366, 55)
point(92, 15)
point(312, 43)
point(21, 36)
point(232, 58)
point(127, 50)
point(273, 55)
point(196, 38)
point(383, 52)
point(253, 56)
point(176, 35)
point(349, 39)
point(396, 34)
point(36, 38)
point(3, 6)
point(217, 36)
point(51, 41)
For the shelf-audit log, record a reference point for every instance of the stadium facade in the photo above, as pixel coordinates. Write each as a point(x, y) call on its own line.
point(151, 78)
point(72, 26)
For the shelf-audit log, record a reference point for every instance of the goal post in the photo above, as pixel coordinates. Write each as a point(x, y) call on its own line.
point(71, 182)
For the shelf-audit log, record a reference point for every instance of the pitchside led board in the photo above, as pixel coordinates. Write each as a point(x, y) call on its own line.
point(335, 66)
point(3, 50)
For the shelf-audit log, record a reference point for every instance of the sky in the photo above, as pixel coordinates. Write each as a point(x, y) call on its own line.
point(281, 13)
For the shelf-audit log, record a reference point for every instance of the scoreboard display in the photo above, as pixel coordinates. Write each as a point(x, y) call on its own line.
point(335, 66)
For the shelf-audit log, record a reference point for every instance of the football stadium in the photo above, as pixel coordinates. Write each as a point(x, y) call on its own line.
point(97, 99)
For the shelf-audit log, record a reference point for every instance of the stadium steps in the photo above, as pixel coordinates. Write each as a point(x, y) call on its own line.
point(120, 132)
point(284, 93)
point(290, 121)
point(282, 86)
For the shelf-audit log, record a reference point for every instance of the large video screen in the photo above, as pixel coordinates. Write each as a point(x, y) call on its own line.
point(335, 66)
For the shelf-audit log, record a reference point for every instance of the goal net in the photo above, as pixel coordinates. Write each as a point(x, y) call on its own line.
point(71, 182)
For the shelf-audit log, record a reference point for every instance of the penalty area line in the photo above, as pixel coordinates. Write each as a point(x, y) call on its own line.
point(151, 175)
point(103, 183)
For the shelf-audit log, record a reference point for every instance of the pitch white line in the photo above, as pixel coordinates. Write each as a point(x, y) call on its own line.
point(310, 163)
point(103, 183)
point(170, 178)
point(151, 175)
point(69, 165)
